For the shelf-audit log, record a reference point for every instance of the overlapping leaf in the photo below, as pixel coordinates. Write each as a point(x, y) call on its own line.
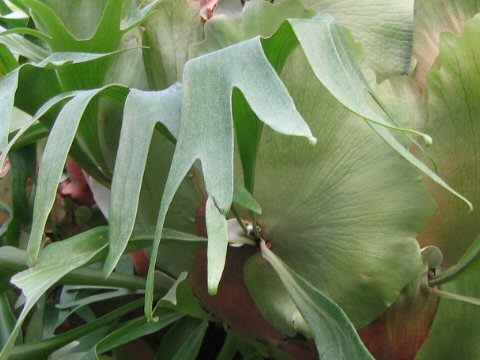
point(349, 219)
point(143, 110)
point(183, 341)
point(54, 265)
point(259, 18)
point(206, 133)
point(53, 160)
point(384, 27)
point(168, 34)
point(212, 141)
point(432, 17)
point(334, 334)
point(454, 120)
point(130, 331)
point(9, 84)
point(106, 37)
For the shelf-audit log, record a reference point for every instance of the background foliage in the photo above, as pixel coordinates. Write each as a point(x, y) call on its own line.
point(267, 179)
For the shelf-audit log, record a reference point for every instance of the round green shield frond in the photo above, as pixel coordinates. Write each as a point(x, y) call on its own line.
point(343, 214)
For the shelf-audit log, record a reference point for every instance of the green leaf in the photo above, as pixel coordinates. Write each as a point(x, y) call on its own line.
point(453, 121)
point(23, 164)
point(325, 47)
point(129, 331)
point(74, 305)
point(21, 46)
point(45, 347)
point(106, 38)
point(208, 136)
point(7, 60)
point(143, 110)
point(44, 110)
point(453, 113)
point(34, 332)
point(7, 321)
point(258, 18)
point(183, 341)
point(384, 27)
point(323, 43)
point(229, 348)
point(433, 17)
point(51, 167)
point(107, 33)
point(138, 15)
point(453, 319)
point(168, 34)
point(333, 213)
point(81, 18)
point(51, 267)
point(217, 244)
point(4, 8)
point(242, 197)
point(334, 334)
point(181, 299)
point(9, 83)
point(471, 256)
point(281, 312)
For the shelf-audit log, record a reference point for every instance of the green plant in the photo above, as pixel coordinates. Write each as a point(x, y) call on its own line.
point(314, 137)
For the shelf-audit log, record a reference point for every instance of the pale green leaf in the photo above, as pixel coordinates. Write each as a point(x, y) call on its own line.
point(453, 120)
point(384, 27)
point(208, 136)
point(139, 15)
point(143, 110)
point(348, 86)
point(453, 91)
point(433, 17)
point(9, 84)
point(80, 17)
point(326, 51)
point(334, 334)
point(168, 34)
point(21, 46)
point(258, 18)
point(45, 347)
point(217, 244)
point(51, 267)
point(51, 166)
